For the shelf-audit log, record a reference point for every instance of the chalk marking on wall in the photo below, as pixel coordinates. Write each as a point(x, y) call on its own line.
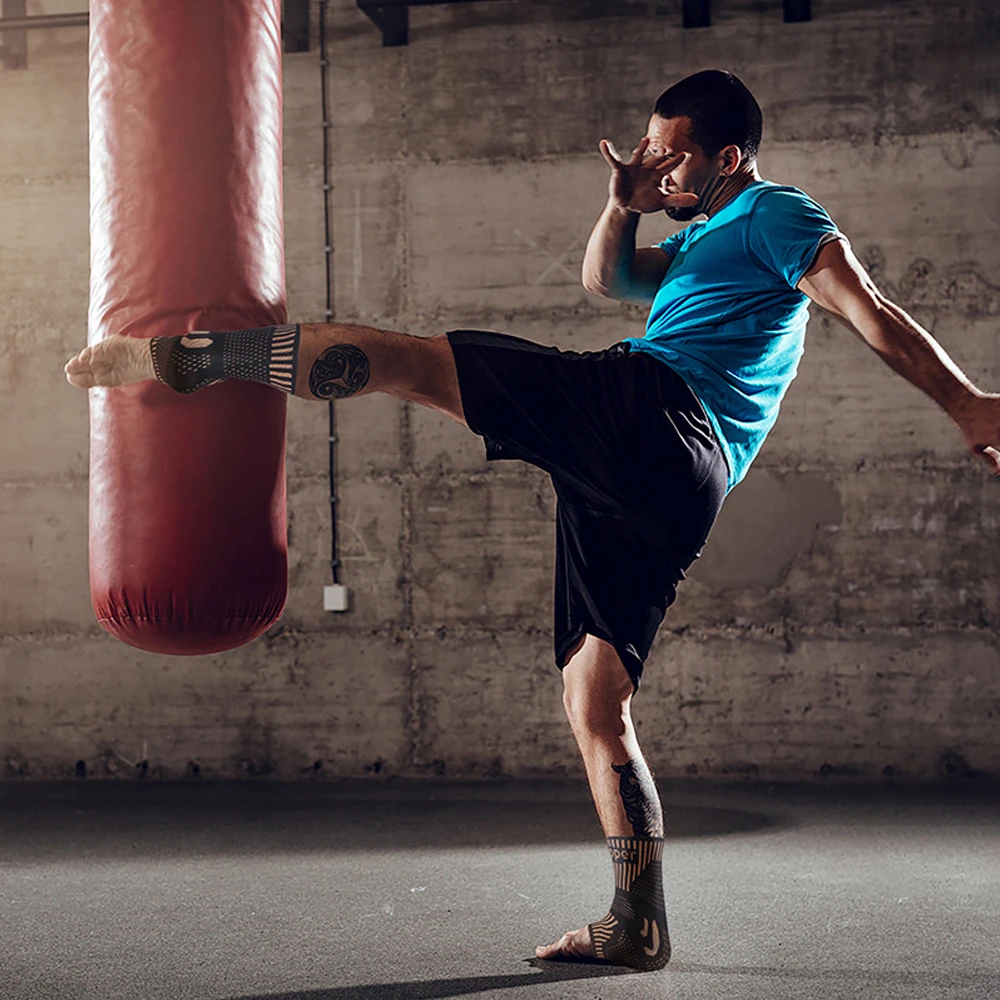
point(75, 251)
point(354, 530)
point(135, 763)
point(555, 263)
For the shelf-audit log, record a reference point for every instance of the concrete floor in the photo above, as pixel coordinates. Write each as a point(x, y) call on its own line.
point(416, 890)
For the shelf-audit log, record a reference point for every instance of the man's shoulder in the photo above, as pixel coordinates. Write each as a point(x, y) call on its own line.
point(775, 194)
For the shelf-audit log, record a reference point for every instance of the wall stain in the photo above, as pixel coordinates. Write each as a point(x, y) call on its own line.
point(745, 550)
point(959, 287)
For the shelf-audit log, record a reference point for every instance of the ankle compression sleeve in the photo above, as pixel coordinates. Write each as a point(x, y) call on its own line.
point(267, 354)
point(634, 933)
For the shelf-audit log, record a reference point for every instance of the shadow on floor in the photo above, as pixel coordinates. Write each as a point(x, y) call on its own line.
point(112, 820)
point(428, 989)
point(551, 973)
point(921, 980)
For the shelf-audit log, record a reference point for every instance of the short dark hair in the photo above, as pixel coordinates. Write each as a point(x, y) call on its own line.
point(722, 110)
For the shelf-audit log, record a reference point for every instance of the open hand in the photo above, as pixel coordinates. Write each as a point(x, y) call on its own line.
point(638, 185)
point(980, 424)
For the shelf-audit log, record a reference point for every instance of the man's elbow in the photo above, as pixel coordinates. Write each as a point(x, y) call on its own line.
point(596, 287)
point(624, 292)
point(594, 281)
point(868, 314)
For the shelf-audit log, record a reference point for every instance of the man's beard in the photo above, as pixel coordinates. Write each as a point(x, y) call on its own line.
point(706, 197)
point(682, 213)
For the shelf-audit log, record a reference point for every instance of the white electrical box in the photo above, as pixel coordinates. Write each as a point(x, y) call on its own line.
point(335, 597)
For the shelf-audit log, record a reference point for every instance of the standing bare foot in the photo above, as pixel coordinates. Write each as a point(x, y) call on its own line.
point(116, 360)
point(573, 944)
point(642, 946)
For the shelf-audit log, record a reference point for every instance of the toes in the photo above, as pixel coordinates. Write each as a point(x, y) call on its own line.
point(79, 361)
point(568, 946)
point(548, 950)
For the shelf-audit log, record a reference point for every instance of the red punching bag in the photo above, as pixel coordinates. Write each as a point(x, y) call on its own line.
point(188, 546)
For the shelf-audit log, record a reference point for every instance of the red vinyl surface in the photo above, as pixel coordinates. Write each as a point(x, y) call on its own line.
point(188, 545)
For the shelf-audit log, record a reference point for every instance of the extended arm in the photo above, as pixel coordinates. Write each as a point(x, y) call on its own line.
point(838, 283)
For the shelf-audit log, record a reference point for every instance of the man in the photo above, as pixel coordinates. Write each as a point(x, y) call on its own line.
point(643, 440)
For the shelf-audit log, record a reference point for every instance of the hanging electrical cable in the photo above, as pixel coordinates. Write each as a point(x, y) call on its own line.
point(328, 253)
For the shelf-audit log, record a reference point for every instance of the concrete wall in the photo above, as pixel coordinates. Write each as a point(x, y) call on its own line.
point(842, 620)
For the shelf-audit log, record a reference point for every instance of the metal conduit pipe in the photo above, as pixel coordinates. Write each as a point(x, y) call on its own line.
point(45, 21)
point(324, 61)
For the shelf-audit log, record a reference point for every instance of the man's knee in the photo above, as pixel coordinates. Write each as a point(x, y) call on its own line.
point(593, 715)
point(597, 689)
point(431, 377)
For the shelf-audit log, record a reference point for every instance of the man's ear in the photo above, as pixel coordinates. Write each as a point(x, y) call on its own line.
point(732, 157)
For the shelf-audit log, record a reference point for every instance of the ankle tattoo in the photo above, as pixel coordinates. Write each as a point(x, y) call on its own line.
point(634, 932)
point(267, 354)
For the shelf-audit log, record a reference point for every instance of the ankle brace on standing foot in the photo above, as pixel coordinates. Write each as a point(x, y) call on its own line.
point(267, 354)
point(634, 933)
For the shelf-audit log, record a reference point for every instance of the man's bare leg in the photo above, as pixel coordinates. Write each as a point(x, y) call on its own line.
point(334, 361)
point(597, 697)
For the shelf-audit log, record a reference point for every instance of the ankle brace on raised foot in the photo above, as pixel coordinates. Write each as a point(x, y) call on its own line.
point(267, 354)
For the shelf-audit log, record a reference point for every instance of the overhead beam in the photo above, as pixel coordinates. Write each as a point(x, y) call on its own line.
point(20, 23)
point(295, 25)
point(14, 46)
point(392, 17)
point(697, 13)
point(420, 3)
point(393, 20)
point(798, 10)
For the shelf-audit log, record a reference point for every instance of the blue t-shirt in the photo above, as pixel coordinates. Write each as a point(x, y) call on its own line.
point(727, 316)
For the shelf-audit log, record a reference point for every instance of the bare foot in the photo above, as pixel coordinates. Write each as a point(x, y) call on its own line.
point(116, 360)
point(573, 944)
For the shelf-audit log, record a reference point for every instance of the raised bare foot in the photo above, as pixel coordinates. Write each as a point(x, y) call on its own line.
point(573, 944)
point(116, 360)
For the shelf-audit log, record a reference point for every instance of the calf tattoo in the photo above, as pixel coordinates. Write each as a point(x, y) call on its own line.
point(642, 804)
point(341, 370)
point(634, 931)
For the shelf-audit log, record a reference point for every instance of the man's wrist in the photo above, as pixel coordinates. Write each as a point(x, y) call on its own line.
point(962, 401)
point(620, 211)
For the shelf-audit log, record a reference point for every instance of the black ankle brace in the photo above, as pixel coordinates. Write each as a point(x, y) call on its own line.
point(634, 933)
point(267, 354)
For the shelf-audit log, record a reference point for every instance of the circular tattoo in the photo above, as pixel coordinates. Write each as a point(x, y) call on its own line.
point(339, 371)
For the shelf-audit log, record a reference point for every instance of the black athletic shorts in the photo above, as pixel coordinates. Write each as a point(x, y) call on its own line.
point(638, 473)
